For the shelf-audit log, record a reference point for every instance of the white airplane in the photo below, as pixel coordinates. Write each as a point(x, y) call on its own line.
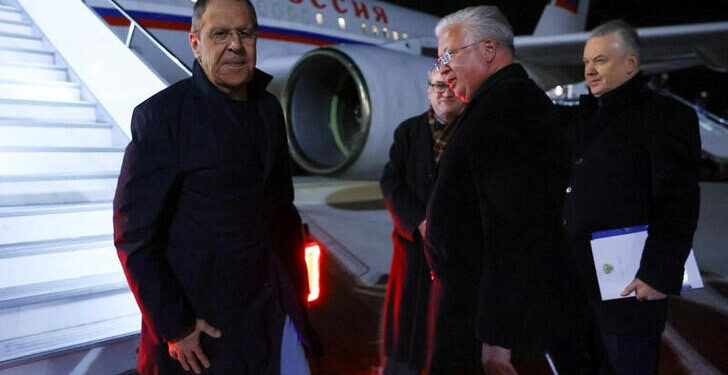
point(348, 71)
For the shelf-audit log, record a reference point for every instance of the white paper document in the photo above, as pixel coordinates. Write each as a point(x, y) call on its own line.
point(617, 254)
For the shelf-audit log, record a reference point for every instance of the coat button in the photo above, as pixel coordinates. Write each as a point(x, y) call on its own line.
point(568, 190)
point(578, 161)
point(564, 222)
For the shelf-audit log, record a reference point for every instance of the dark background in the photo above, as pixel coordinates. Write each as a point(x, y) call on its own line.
point(688, 83)
point(524, 14)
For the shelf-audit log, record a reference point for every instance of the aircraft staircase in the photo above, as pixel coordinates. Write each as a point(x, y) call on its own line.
point(65, 306)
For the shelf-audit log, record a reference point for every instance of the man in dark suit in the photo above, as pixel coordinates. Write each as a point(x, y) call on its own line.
point(494, 238)
point(634, 161)
point(204, 222)
point(406, 184)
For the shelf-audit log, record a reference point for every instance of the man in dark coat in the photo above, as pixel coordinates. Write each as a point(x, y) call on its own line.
point(406, 184)
point(494, 238)
point(204, 222)
point(635, 161)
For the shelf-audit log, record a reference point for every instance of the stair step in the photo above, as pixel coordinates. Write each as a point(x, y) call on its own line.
point(12, 40)
point(47, 222)
point(23, 55)
point(54, 265)
point(46, 110)
point(60, 290)
point(54, 246)
point(14, 27)
point(37, 160)
point(10, 14)
point(38, 71)
point(42, 329)
point(57, 188)
point(48, 134)
point(40, 90)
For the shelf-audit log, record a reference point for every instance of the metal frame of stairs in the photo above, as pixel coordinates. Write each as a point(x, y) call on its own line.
point(64, 303)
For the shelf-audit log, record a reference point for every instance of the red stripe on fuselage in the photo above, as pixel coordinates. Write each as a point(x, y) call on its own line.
point(155, 24)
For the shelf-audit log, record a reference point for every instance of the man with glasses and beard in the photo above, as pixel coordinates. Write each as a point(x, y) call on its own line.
point(406, 184)
point(494, 239)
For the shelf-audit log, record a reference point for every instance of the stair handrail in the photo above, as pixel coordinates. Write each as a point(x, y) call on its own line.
point(701, 111)
point(133, 24)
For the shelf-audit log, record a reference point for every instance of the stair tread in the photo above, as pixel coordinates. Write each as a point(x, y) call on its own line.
point(23, 23)
point(76, 103)
point(31, 65)
point(54, 246)
point(9, 8)
point(39, 82)
point(59, 149)
point(43, 209)
point(56, 290)
point(60, 176)
point(19, 36)
point(41, 50)
point(70, 338)
point(9, 121)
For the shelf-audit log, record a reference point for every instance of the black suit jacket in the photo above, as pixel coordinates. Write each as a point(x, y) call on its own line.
point(494, 237)
point(635, 161)
point(204, 230)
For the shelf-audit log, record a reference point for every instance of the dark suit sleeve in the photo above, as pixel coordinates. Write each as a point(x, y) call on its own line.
point(406, 208)
point(674, 148)
point(142, 206)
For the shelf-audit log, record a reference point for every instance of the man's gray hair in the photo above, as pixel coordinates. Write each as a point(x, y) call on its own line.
point(201, 6)
point(630, 41)
point(484, 21)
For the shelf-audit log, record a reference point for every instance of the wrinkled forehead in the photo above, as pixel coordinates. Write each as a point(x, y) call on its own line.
point(605, 45)
point(450, 38)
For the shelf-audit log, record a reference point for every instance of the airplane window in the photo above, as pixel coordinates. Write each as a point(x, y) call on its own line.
point(395, 35)
point(375, 30)
point(319, 18)
point(404, 35)
point(385, 32)
point(342, 23)
point(363, 27)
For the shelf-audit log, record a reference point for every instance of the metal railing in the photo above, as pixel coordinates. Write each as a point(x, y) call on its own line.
point(134, 26)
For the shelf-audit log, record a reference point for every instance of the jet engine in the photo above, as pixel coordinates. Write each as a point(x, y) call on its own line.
point(343, 103)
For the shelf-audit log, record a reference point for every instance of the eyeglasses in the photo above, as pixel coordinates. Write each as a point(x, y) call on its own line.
point(438, 87)
point(224, 36)
point(447, 56)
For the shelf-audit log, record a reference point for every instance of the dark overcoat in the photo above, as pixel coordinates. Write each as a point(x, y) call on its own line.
point(206, 228)
point(494, 237)
point(406, 184)
point(635, 161)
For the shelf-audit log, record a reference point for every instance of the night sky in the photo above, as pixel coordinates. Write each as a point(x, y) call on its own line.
point(524, 14)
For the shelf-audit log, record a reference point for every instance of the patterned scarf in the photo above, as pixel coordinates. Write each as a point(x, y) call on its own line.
point(440, 134)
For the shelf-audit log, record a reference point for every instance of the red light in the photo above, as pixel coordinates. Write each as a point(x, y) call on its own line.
point(313, 266)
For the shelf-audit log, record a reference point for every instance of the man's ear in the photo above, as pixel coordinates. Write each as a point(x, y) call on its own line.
point(487, 48)
point(632, 63)
point(195, 44)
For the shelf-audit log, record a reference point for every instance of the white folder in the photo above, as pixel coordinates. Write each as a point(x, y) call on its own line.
point(617, 254)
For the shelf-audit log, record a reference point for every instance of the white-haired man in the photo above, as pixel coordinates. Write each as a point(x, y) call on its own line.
point(494, 238)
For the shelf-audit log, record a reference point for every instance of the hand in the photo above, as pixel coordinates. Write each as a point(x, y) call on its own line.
point(643, 292)
point(422, 227)
point(188, 351)
point(496, 360)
